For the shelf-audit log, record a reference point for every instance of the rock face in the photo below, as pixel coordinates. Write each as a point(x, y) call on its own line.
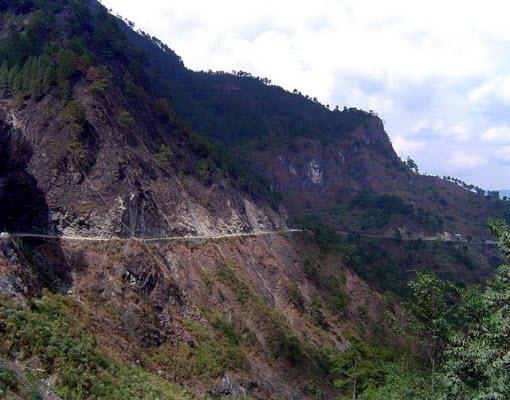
point(17, 280)
point(316, 158)
point(112, 187)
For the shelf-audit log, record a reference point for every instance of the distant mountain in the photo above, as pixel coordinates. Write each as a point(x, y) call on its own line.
point(504, 193)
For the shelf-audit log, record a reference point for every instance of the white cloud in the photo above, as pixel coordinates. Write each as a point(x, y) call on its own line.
point(434, 79)
point(503, 154)
point(497, 134)
point(462, 160)
point(406, 146)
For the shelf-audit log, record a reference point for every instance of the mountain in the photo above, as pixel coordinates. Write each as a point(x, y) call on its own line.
point(333, 170)
point(149, 214)
point(504, 193)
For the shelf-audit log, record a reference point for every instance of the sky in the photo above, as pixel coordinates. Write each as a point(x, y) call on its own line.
point(437, 71)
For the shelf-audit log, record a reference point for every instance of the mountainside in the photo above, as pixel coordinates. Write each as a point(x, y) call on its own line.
point(335, 170)
point(146, 212)
point(320, 159)
point(107, 156)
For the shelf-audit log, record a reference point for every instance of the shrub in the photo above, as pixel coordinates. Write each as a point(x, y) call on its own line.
point(125, 119)
point(8, 381)
point(99, 78)
point(295, 296)
point(162, 157)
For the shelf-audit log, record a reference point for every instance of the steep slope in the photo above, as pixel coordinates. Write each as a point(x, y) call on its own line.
point(334, 169)
point(262, 317)
point(90, 148)
point(108, 156)
point(320, 159)
point(102, 136)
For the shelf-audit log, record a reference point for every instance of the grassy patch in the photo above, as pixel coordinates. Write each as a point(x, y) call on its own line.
point(50, 332)
point(208, 355)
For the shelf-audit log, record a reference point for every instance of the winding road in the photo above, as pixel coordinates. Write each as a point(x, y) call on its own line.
point(211, 237)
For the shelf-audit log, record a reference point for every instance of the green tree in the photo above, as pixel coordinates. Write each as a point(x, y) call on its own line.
point(360, 368)
point(477, 360)
point(429, 318)
point(412, 165)
point(99, 78)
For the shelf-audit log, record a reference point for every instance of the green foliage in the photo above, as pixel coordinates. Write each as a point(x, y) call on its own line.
point(361, 367)
point(295, 296)
point(476, 362)
point(125, 119)
point(130, 88)
point(212, 157)
point(429, 316)
point(411, 164)
point(100, 79)
point(500, 229)
point(241, 290)
point(226, 328)
point(315, 391)
point(467, 334)
point(164, 110)
point(51, 332)
point(336, 298)
point(55, 69)
point(163, 156)
point(74, 116)
point(402, 381)
point(324, 235)
point(289, 347)
point(210, 356)
point(8, 381)
point(388, 204)
point(282, 342)
point(213, 356)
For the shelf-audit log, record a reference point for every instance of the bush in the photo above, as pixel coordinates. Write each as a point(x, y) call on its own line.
point(8, 381)
point(99, 78)
point(162, 157)
point(125, 119)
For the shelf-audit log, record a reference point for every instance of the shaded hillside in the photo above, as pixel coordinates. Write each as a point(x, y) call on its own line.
point(334, 168)
point(109, 156)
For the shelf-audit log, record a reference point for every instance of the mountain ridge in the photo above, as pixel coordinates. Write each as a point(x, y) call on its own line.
point(105, 133)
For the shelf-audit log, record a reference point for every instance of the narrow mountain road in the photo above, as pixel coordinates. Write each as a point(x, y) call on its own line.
point(416, 238)
point(143, 239)
point(212, 237)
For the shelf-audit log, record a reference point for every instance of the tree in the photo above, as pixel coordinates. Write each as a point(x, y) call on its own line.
point(477, 360)
point(99, 78)
point(412, 165)
point(360, 368)
point(429, 318)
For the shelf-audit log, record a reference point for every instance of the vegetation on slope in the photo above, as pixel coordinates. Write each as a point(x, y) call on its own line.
point(49, 47)
point(463, 338)
point(48, 336)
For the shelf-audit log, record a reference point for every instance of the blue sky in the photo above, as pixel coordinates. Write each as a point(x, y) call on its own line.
point(437, 72)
